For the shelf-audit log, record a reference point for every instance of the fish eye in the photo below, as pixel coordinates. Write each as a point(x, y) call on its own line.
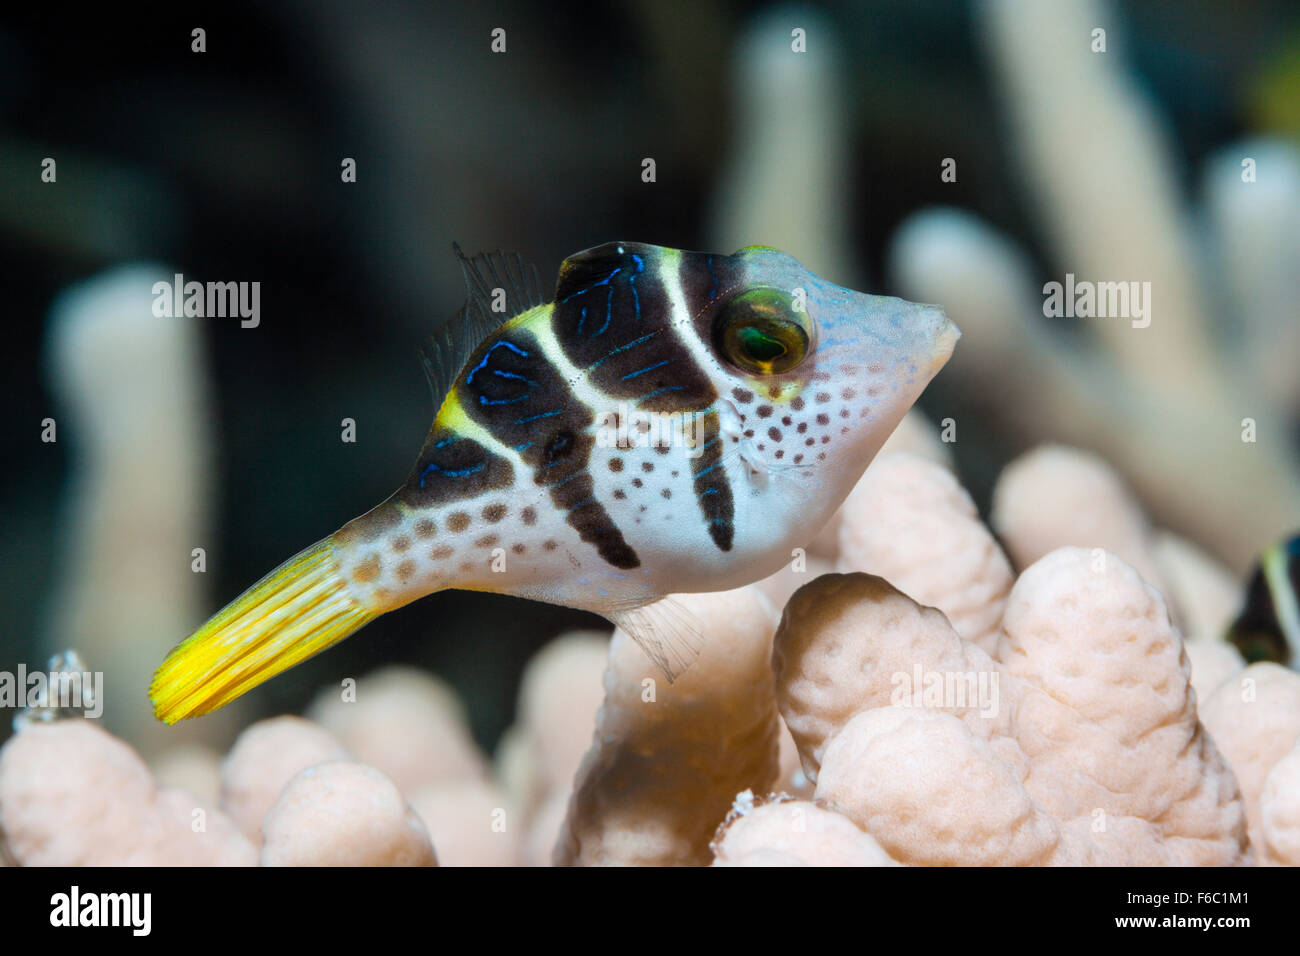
point(761, 332)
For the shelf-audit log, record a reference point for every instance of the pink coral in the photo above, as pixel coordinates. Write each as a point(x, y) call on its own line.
point(1254, 718)
point(1279, 811)
point(794, 833)
point(558, 699)
point(264, 759)
point(344, 814)
point(668, 759)
point(910, 522)
point(471, 823)
point(50, 817)
point(1082, 732)
point(1055, 496)
point(404, 722)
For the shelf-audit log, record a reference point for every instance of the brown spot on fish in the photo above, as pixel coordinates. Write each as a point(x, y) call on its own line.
point(494, 513)
point(647, 466)
point(368, 570)
point(458, 521)
point(797, 403)
point(518, 548)
point(487, 541)
point(774, 434)
point(765, 411)
point(667, 493)
point(424, 528)
point(823, 397)
point(848, 394)
point(549, 545)
point(406, 571)
point(442, 552)
point(529, 515)
point(743, 395)
point(823, 419)
point(616, 464)
point(620, 494)
point(401, 543)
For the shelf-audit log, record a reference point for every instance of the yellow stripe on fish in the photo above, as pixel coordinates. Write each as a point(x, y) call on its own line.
point(670, 421)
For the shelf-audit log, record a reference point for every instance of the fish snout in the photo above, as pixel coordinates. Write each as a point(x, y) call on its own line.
point(913, 334)
point(937, 335)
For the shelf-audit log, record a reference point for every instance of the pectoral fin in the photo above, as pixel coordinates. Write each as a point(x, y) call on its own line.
point(667, 632)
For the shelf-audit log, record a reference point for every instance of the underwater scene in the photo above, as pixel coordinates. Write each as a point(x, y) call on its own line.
point(651, 434)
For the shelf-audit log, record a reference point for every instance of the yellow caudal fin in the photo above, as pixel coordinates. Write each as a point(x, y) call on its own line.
point(299, 609)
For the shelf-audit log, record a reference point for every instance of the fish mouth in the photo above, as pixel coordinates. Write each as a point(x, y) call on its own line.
point(944, 339)
point(931, 336)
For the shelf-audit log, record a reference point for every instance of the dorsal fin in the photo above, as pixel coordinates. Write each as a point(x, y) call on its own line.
point(448, 349)
point(593, 266)
point(507, 271)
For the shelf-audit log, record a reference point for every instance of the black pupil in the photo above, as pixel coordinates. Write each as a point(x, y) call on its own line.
point(759, 345)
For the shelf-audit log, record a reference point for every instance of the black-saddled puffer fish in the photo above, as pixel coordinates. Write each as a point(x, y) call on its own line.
point(1267, 626)
point(671, 421)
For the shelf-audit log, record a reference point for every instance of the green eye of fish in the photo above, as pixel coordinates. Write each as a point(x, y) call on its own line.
point(761, 332)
